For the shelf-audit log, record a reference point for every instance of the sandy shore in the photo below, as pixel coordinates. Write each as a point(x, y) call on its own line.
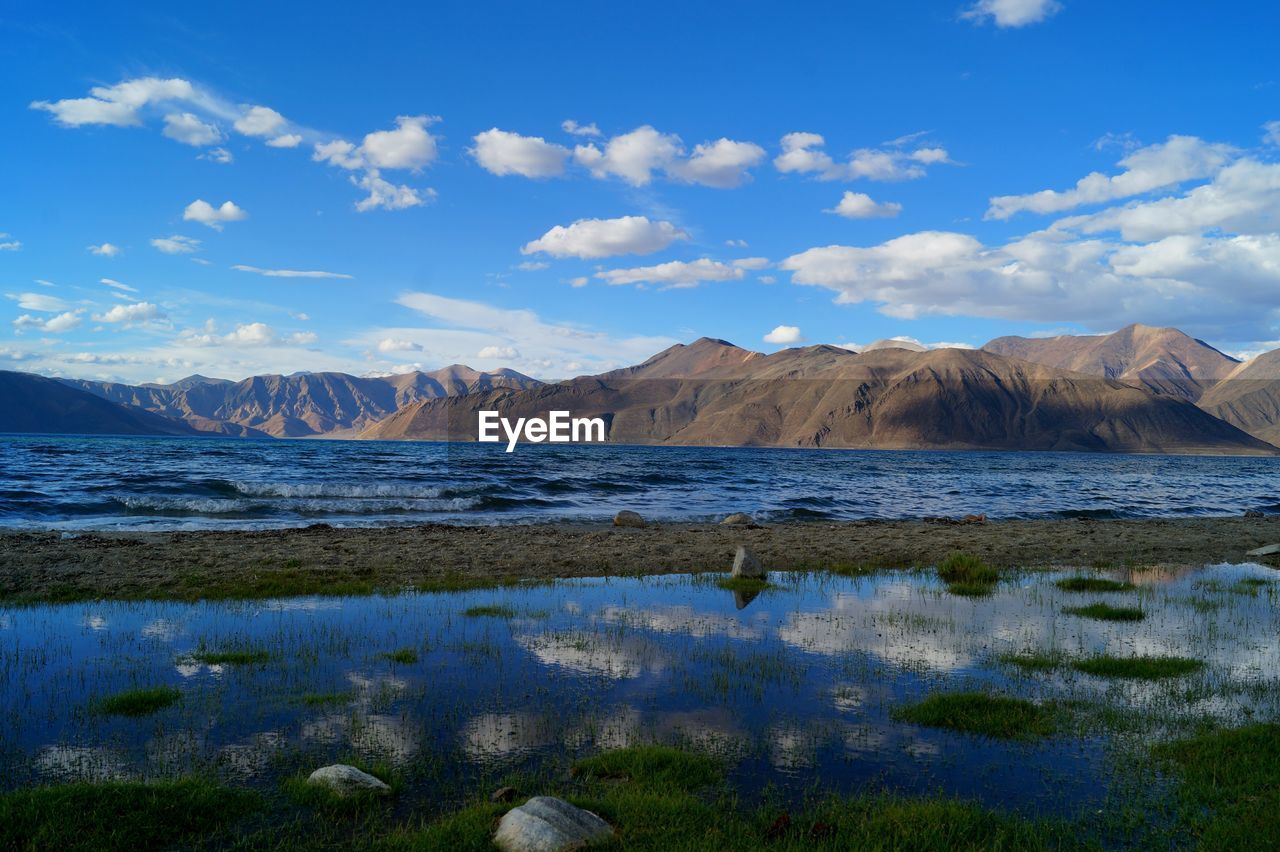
point(190, 565)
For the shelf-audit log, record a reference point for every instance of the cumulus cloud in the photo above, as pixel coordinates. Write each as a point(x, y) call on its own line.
point(259, 121)
point(215, 217)
point(502, 152)
point(802, 153)
point(1011, 13)
point(784, 334)
point(391, 344)
point(596, 238)
point(722, 164)
point(389, 196)
point(117, 105)
point(129, 315)
point(221, 156)
point(188, 129)
point(673, 275)
point(507, 352)
point(636, 157)
point(176, 244)
point(50, 325)
point(289, 273)
point(1175, 161)
point(573, 127)
point(104, 250)
point(38, 302)
point(409, 146)
point(859, 205)
point(287, 140)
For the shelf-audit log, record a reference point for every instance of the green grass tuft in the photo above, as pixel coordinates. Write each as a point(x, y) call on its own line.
point(405, 656)
point(231, 657)
point(1033, 661)
point(964, 568)
point(138, 702)
point(1139, 668)
point(124, 816)
point(1093, 584)
point(659, 767)
point(1106, 612)
point(979, 713)
point(490, 611)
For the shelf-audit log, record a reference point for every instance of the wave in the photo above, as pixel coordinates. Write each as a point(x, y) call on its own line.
point(335, 489)
point(190, 505)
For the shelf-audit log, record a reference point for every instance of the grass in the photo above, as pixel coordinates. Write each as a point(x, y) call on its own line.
point(138, 702)
point(1231, 786)
point(231, 656)
point(1033, 661)
point(489, 611)
point(980, 713)
point(1093, 584)
point(324, 699)
point(123, 816)
point(1138, 668)
point(967, 575)
point(743, 584)
point(1106, 612)
point(660, 767)
point(301, 792)
point(404, 656)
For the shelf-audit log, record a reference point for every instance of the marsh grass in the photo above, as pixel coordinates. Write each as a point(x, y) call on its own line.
point(1106, 612)
point(489, 611)
point(653, 766)
point(138, 702)
point(1034, 661)
point(967, 575)
point(1093, 584)
point(979, 713)
point(1138, 668)
point(124, 816)
point(404, 656)
point(243, 656)
point(323, 699)
point(743, 584)
point(303, 793)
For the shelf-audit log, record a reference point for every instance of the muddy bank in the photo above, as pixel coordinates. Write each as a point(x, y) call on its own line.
point(191, 565)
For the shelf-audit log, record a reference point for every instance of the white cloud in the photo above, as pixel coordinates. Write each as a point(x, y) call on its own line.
point(7, 243)
point(116, 285)
point(1011, 13)
point(215, 217)
point(390, 344)
point(722, 164)
point(176, 244)
point(389, 196)
point(221, 156)
point(104, 250)
point(507, 352)
point(784, 334)
point(38, 302)
point(188, 129)
point(504, 153)
point(673, 275)
point(52, 325)
point(802, 154)
point(287, 140)
point(251, 334)
point(340, 153)
point(532, 265)
point(736, 243)
point(1175, 161)
point(289, 273)
point(859, 205)
point(752, 263)
point(596, 238)
point(409, 146)
point(579, 281)
point(1271, 133)
point(260, 121)
point(129, 315)
point(303, 338)
point(117, 105)
point(571, 126)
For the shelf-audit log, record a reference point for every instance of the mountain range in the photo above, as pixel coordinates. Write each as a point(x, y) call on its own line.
point(1140, 389)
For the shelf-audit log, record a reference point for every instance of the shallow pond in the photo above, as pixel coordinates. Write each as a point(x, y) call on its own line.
point(794, 688)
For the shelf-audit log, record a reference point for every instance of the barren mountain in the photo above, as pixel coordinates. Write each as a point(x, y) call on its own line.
point(1163, 360)
point(1249, 397)
point(713, 393)
point(30, 403)
point(300, 405)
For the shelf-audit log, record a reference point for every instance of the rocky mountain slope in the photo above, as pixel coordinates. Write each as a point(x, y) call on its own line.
point(713, 393)
point(34, 404)
point(1249, 397)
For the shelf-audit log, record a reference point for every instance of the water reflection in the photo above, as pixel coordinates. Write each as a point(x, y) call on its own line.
point(796, 690)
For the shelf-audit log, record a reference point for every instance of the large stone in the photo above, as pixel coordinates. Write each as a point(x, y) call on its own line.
point(1265, 550)
point(548, 824)
point(738, 518)
point(628, 518)
point(345, 780)
point(745, 564)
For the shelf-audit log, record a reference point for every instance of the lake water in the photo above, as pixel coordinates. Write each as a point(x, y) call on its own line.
point(794, 689)
point(170, 483)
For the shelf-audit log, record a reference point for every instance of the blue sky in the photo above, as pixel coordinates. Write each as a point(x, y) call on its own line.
point(564, 188)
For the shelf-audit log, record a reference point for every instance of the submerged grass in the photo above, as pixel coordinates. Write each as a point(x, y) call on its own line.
point(231, 656)
point(1093, 584)
point(489, 611)
point(654, 766)
point(980, 713)
point(405, 656)
point(1106, 612)
point(967, 575)
point(1138, 668)
point(138, 702)
point(1033, 661)
point(124, 816)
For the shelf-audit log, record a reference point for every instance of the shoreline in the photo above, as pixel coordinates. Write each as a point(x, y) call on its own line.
point(44, 567)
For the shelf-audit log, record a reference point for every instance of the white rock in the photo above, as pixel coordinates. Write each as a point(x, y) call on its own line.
point(1265, 550)
point(344, 780)
point(548, 824)
point(745, 564)
point(628, 518)
point(738, 518)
